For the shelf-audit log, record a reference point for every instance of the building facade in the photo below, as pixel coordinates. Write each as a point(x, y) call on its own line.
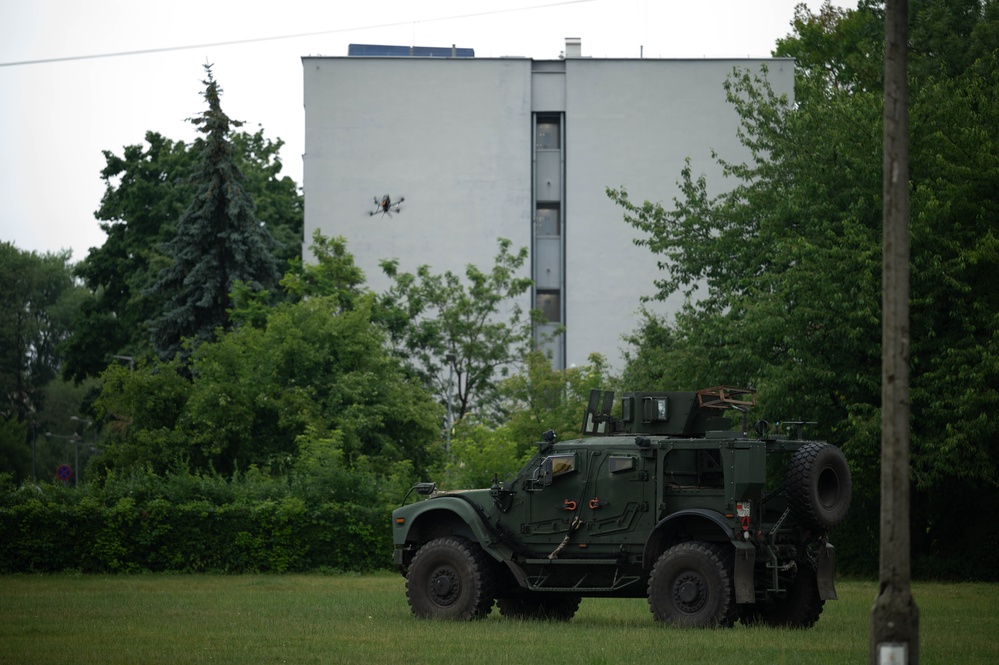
point(522, 149)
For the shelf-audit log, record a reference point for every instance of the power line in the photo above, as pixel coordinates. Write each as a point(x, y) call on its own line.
point(165, 49)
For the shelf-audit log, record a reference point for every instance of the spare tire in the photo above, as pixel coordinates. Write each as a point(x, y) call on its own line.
point(819, 486)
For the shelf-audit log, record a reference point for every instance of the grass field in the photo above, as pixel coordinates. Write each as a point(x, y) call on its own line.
point(365, 619)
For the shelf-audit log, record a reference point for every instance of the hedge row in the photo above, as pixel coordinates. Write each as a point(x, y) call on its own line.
point(268, 535)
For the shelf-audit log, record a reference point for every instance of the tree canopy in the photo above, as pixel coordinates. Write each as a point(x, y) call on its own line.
point(256, 391)
point(784, 269)
point(536, 399)
point(220, 241)
point(457, 335)
point(37, 300)
point(147, 189)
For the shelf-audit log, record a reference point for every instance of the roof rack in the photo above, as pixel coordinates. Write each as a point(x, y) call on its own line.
point(724, 397)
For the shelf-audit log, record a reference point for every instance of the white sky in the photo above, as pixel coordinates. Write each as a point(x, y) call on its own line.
point(57, 117)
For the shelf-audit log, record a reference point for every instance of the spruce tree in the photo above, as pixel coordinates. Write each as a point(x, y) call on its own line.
point(220, 240)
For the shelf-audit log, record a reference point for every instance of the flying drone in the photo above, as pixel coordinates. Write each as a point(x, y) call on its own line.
point(386, 206)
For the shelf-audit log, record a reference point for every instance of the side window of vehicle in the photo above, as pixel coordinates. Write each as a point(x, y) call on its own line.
point(620, 463)
point(562, 463)
point(549, 468)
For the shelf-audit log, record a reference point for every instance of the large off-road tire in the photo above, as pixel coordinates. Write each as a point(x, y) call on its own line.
point(540, 606)
point(819, 486)
point(450, 578)
point(691, 587)
point(799, 608)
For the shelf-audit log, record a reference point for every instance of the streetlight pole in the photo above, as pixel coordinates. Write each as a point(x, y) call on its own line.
point(34, 452)
point(76, 438)
point(50, 435)
point(450, 416)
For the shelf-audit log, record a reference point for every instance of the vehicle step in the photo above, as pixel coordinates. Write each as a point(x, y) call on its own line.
point(591, 562)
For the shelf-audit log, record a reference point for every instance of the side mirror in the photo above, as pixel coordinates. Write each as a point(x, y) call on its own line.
point(541, 476)
point(545, 472)
point(423, 489)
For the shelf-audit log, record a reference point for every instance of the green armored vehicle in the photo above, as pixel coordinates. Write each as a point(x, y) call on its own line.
point(662, 502)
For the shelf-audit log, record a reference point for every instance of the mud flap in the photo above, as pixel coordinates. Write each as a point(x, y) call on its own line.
point(745, 564)
point(827, 573)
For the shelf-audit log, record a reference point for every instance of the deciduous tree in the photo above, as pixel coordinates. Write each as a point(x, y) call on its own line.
point(310, 371)
point(462, 335)
point(784, 269)
point(332, 273)
point(536, 399)
point(35, 290)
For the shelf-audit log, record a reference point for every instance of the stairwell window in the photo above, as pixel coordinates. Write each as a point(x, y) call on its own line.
point(546, 221)
point(550, 304)
point(548, 136)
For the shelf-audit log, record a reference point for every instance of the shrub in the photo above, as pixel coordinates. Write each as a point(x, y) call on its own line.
point(190, 523)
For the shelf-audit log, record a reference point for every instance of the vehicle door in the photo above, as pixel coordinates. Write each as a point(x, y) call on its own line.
point(554, 492)
point(616, 505)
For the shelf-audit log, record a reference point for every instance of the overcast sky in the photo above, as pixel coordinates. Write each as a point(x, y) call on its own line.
point(57, 117)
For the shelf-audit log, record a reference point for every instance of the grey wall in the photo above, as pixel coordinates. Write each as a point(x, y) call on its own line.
point(455, 137)
point(451, 135)
point(632, 123)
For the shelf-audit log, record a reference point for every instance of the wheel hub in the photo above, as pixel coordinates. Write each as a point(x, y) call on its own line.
point(689, 592)
point(444, 585)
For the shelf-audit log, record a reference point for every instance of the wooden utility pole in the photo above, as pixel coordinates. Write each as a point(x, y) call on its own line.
point(895, 617)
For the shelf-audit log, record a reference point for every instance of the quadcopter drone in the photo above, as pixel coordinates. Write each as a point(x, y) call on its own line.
point(386, 206)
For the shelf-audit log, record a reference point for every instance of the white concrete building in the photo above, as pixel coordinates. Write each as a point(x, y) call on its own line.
point(488, 148)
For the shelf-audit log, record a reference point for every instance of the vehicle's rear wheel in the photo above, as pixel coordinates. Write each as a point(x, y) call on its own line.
point(691, 586)
point(450, 578)
point(541, 606)
point(799, 608)
point(819, 486)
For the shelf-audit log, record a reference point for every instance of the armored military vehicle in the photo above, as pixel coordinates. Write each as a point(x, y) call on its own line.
point(665, 501)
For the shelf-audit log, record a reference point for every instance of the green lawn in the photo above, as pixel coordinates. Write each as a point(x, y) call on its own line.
point(365, 619)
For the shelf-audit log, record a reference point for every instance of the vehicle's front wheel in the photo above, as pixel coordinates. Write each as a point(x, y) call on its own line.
point(691, 587)
point(450, 578)
point(541, 606)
